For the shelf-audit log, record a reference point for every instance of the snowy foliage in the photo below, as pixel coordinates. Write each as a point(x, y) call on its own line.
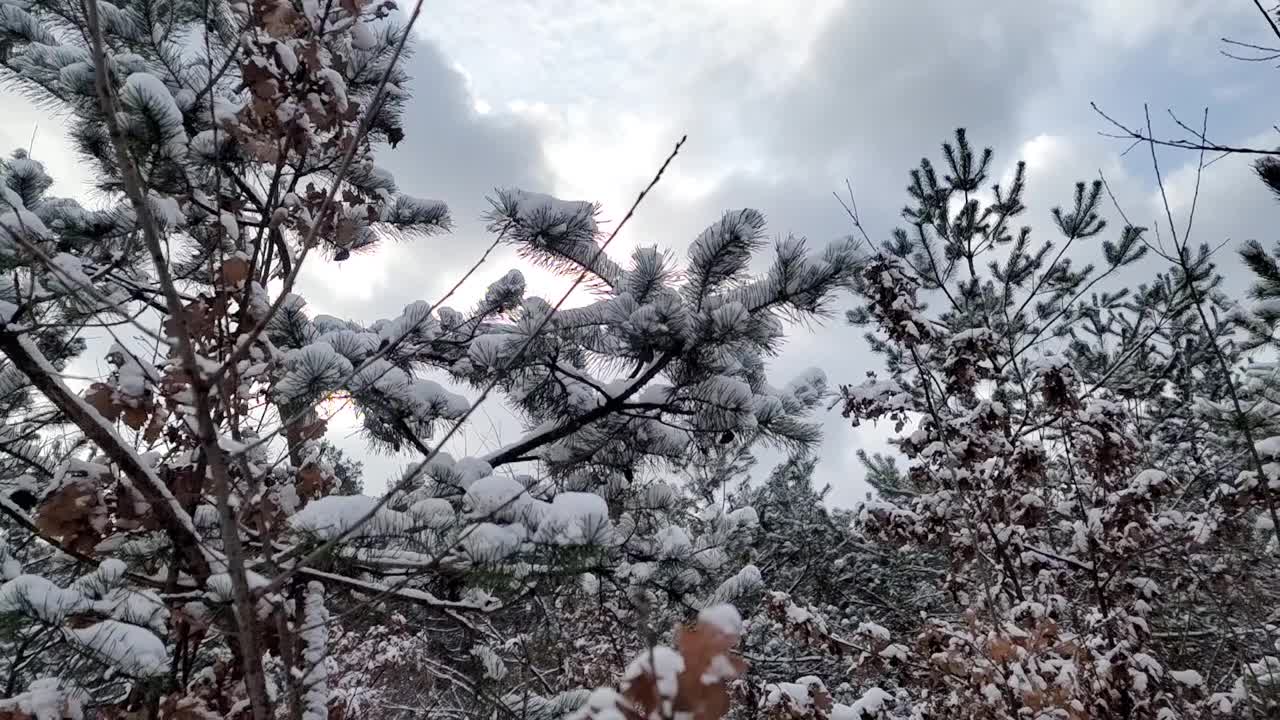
point(181, 540)
point(1073, 466)
point(1087, 468)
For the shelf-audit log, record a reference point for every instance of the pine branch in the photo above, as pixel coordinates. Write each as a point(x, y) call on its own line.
point(615, 403)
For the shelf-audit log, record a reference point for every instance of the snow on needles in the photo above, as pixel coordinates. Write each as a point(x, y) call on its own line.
point(331, 516)
point(40, 597)
point(134, 650)
point(576, 518)
point(46, 698)
point(534, 208)
point(724, 617)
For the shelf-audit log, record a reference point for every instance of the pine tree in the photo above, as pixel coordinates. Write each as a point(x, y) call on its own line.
point(1069, 462)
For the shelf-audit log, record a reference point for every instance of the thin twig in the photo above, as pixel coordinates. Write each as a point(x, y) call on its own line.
point(1271, 22)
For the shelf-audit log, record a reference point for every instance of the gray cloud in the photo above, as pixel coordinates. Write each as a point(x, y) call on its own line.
point(883, 83)
point(452, 153)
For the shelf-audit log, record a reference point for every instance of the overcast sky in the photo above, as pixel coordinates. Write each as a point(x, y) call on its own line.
point(782, 101)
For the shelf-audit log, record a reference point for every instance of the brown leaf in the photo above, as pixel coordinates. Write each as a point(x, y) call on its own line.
point(156, 426)
point(174, 381)
point(702, 686)
point(184, 484)
point(234, 271)
point(135, 417)
point(278, 18)
point(74, 514)
point(308, 427)
point(706, 651)
point(201, 317)
point(313, 482)
point(345, 233)
point(100, 396)
point(821, 699)
point(262, 81)
point(1000, 649)
point(642, 693)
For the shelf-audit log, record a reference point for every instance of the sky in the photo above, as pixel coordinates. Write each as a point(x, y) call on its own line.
point(782, 102)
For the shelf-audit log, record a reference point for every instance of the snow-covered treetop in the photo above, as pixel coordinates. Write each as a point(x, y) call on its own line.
point(1075, 461)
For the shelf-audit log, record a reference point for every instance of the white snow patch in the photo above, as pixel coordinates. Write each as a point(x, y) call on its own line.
point(332, 516)
point(132, 649)
point(724, 617)
point(533, 208)
point(41, 597)
point(575, 518)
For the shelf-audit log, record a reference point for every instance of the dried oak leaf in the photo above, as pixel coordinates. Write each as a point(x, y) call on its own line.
point(702, 691)
point(708, 665)
point(74, 514)
point(278, 18)
point(234, 272)
point(135, 417)
point(101, 397)
point(156, 426)
point(309, 427)
point(198, 316)
point(345, 233)
point(184, 484)
point(313, 482)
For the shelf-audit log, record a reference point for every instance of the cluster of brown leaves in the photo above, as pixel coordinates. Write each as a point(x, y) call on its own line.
point(886, 402)
point(111, 405)
point(89, 505)
point(75, 513)
point(300, 111)
point(201, 317)
point(978, 659)
point(1058, 385)
point(967, 361)
point(138, 412)
point(892, 303)
point(702, 685)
